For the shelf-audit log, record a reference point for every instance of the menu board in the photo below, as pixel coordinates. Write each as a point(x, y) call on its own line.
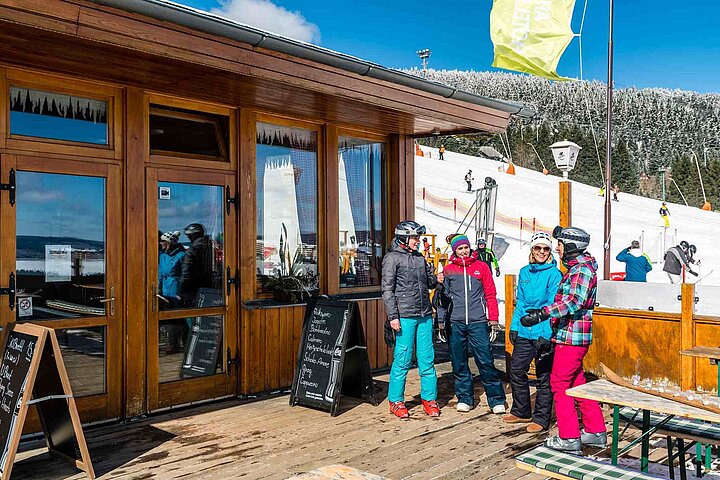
point(14, 369)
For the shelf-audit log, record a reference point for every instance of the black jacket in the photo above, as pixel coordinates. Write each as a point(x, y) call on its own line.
point(197, 267)
point(406, 280)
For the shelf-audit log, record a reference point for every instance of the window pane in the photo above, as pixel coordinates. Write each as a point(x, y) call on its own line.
point(58, 116)
point(193, 133)
point(190, 245)
point(190, 347)
point(83, 351)
point(287, 203)
point(60, 246)
point(360, 181)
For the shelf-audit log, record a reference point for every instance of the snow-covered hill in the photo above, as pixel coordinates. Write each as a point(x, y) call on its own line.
point(531, 194)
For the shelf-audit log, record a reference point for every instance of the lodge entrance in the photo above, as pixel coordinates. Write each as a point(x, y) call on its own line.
point(191, 265)
point(62, 246)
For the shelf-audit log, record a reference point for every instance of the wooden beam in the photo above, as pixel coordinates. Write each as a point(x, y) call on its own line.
point(332, 215)
point(409, 149)
point(687, 336)
point(248, 205)
point(509, 312)
point(565, 219)
point(135, 286)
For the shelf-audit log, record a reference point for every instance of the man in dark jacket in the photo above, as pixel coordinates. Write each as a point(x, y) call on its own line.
point(486, 255)
point(675, 260)
point(636, 263)
point(406, 281)
point(197, 267)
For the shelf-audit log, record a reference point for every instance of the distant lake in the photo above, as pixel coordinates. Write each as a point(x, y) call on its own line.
point(89, 266)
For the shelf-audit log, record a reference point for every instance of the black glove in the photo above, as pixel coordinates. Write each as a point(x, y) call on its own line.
point(533, 317)
point(497, 272)
point(389, 334)
point(543, 348)
point(513, 336)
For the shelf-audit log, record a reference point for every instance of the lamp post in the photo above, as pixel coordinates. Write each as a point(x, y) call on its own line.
point(565, 154)
point(424, 54)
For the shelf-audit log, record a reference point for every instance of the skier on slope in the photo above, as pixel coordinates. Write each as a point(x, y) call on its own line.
point(469, 178)
point(485, 254)
point(675, 260)
point(665, 214)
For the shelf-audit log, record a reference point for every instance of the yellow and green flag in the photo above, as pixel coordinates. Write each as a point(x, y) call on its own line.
point(530, 36)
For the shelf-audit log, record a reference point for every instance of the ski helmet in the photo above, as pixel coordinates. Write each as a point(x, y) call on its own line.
point(692, 249)
point(195, 230)
point(481, 241)
point(575, 240)
point(685, 245)
point(406, 229)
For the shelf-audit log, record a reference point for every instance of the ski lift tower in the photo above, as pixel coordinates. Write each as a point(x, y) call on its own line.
point(424, 54)
point(486, 203)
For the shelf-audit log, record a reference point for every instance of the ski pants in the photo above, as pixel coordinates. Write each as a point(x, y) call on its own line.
point(524, 352)
point(469, 186)
point(674, 278)
point(567, 372)
point(413, 329)
point(475, 338)
point(666, 219)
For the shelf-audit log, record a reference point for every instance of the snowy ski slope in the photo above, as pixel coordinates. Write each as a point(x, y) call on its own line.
point(531, 194)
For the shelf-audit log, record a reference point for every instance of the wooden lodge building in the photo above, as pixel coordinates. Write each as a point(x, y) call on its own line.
point(164, 170)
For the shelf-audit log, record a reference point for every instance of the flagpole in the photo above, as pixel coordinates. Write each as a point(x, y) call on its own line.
point(608, 150)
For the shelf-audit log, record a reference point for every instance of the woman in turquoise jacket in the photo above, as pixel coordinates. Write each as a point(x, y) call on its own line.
point(537, 285)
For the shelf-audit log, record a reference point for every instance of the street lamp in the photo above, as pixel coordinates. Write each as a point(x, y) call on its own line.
point(424, 54)
point(565, 154)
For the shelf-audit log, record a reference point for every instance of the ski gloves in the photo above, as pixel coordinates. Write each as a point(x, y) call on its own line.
point(513, 336)
point(389, 334)
point(533, 316)
point(494, 330)
point(497, 272)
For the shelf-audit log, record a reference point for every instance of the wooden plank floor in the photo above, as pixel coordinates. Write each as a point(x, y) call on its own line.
point(267, 439)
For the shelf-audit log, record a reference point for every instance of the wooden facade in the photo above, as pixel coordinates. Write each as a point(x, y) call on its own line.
point(133, 64)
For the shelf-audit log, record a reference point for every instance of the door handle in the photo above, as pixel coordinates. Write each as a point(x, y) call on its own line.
point(110, 300)
point(155, 296)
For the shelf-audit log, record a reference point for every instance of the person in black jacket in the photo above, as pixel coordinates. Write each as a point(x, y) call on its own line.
point(406, 281)
point(197, 267)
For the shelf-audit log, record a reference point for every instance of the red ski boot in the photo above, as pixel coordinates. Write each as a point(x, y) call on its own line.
point(431, 408)
point(399, 409)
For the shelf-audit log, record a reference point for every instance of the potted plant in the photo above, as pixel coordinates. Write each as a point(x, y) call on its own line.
point(295, 282)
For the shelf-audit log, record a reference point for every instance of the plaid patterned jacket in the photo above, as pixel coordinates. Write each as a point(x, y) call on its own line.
point(571, 312)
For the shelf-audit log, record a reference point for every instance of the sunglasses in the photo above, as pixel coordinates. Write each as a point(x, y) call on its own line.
point(538, 248)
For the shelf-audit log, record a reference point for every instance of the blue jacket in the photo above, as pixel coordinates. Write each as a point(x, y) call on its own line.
point(636, 265)
point(170, 271)
point(537, 286)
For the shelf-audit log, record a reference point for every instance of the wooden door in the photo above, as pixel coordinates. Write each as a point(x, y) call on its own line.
point(192, 308)
point(62, 241)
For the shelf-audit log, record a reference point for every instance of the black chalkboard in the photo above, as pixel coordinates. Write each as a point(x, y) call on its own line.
point(332, 357)
point(17, 357)
point(205, 340)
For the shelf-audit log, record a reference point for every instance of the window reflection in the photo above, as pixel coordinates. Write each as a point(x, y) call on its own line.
point(60, 246)
point(83, 351)
point(58, 116)
point(190, 347)
point(360, 182)
point(286, 205)
point(190, 246)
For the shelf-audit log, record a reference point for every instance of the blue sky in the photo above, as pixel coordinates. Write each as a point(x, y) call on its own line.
point(661, 43)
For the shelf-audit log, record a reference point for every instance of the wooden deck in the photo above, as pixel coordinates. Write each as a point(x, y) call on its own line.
point(266, 439)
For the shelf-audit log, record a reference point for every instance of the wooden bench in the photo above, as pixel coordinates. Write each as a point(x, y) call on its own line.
point(702, 433)
point(554, 464)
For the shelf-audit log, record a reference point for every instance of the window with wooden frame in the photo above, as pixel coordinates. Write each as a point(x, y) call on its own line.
point(190, 133)
point(361, 210)
point(60, 115)
point(288, 233)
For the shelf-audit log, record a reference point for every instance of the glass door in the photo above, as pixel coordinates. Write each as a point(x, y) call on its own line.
point(192, 327)
point(62, 243)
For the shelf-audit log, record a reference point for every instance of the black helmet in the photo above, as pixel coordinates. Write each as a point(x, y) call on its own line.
point(685, 245)
point(481, 241)
point(575, 240)
point(407, 229)
point(692, 249)
point(195, 230)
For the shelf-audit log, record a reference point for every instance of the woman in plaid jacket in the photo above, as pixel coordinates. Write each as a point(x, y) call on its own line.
point(571, 321)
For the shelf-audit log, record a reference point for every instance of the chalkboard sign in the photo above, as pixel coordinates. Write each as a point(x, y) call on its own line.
point(332, 357)
point(17, 357)
point(32, 366)
point(205, 340)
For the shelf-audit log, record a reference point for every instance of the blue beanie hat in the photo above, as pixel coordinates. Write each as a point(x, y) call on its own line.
point(459, 240)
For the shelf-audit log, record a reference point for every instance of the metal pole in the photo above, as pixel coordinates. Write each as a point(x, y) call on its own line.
point(608, 149)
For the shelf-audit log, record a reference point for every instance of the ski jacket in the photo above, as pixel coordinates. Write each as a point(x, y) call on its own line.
point(469, 291)
point(664, 211)
point(468, 177)
point(170, 271)
point(487, 256)
point(675, 258)
point(636, 263)
point(537, 285)
point(572, 310)
point(197, 268)
point(406, 281)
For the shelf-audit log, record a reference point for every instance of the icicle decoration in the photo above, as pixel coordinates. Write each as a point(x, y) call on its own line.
point(57, 105)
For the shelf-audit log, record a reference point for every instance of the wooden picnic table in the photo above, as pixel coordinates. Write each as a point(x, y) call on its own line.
point(617, 396)
point(712, 353)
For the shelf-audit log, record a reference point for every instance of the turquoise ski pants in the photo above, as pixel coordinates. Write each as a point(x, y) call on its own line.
point(413, 328)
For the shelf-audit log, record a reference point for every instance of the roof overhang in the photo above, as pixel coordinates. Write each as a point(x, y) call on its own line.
point(162, 46)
